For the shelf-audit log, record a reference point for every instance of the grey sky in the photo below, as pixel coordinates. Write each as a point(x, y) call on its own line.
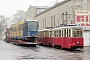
point(9, 7)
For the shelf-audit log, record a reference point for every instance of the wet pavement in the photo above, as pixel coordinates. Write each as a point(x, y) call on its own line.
point(9, 51)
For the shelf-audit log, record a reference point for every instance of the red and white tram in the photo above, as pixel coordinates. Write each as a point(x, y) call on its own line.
point(45, 37)
point(70, 37)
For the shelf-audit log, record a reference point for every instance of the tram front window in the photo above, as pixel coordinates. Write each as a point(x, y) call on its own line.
point(32, 26)
point(77, 33)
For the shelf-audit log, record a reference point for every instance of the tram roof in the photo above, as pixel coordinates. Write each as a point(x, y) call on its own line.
point(31, 20)
point(13, 25)
point(45, 30)
point(21, 22)
point(76, 27)
point(86, 29)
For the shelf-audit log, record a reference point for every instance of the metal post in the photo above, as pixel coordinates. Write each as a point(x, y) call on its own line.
point(63, 18)
point(66, 18)
point(66, 15)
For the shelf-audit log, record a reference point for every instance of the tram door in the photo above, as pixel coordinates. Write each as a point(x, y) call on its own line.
point(65, 38)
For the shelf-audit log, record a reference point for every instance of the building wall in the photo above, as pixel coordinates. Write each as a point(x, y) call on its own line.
point(53, 16)
point(31, 12)
point(86, 36)
point(57, 15)
point(82, 18)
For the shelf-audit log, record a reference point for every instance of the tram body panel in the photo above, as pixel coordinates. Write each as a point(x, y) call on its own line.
point(47, 40)
point(77, 42)
point(66, 42)
point(40, 41)
point(57, 41)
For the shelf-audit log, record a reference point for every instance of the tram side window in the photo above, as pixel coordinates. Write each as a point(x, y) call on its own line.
point(42, 34)
point(46, 34)
point(75, 33)
point(54, 33)
point(14, 31)
point(65, 33)
point(21, 27)
point(81, 35)
point(59, 33)
point(69, 33)
point(62, 33)
point(26, 27)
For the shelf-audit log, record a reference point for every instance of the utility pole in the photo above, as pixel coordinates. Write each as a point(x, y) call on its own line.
point(63, 18)
point(66, 18)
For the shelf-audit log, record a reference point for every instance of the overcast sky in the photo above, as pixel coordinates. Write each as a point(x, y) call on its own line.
point(10, 7)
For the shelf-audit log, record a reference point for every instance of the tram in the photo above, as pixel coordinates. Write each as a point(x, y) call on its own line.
point(70, 37)
point(7, 37)
point(45, 37)
point(24, 32)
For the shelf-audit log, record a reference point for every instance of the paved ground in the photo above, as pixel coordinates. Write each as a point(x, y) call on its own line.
point(12, 52)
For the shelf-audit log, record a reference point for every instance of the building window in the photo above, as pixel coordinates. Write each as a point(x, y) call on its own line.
point(54, 21)
point(51, 21)
point(43, 23)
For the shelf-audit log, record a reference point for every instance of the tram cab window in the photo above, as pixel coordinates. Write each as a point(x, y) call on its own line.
point(77, 33)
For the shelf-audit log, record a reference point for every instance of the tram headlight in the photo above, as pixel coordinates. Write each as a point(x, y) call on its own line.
point(73, 43)
point(77, 42)
point(32, 35)
point(26, 43)
point(36, 41)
